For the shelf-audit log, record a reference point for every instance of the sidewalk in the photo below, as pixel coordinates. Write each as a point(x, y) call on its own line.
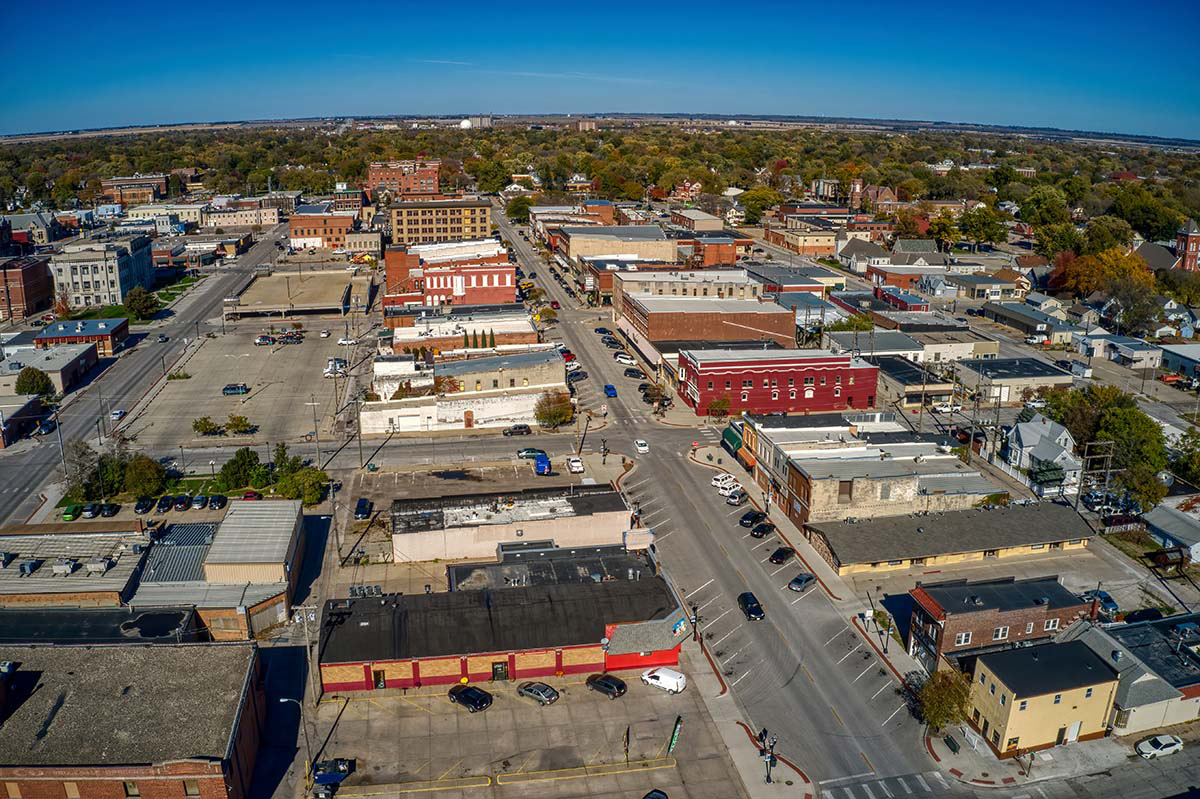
point(976, 765)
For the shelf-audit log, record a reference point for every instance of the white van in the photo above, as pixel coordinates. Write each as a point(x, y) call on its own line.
point(669, 680)
point(1080, 369)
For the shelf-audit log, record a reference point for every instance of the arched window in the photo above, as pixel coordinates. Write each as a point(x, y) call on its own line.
point(774, 395)
point(837, 391)
point(808, 393)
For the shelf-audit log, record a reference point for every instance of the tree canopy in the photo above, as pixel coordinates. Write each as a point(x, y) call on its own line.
point(32, 380)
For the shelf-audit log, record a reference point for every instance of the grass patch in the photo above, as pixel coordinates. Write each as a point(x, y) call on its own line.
point(105, 312)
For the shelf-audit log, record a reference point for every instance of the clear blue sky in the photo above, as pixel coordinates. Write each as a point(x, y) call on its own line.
point(1104, 65)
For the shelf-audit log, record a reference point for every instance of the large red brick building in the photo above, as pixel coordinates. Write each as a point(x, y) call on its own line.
point(319, 226)
point(708, 319)
point(25, 286)
point(452, 273)
point(404, 177)
point(136, 189)
point(151, 721)
point(776, 381)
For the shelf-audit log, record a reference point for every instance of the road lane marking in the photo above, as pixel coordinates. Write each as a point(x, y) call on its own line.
point(808, 674)
point(883, 787)
point(894, 712)
point(886, 685)
point(836, 716)
point(847, 777)
point(709, 602)
point(738, 680)
point(867, 760)
point(723, 637)
point(904, 785)
point(940, 779)
point(864, 671)
point(866, 789)
point(701, 588)
point(851, 652)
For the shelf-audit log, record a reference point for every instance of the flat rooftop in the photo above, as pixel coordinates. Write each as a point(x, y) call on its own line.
point(533, 563)
point(960, 597)
point(500, 620)
point(50, 359)
point(256, 532)
point(689, 276)
point(491, 363)
point(328, 290)
point(98, 625)
point(904, 372)
point(871, 341)
point(674, 347)
point(92, 563)
point(706, 305)
point(949, 337)
point(1012, 368)
point(115, 705)
point(619, 232)
point(1048, 669)
point(953, 532)
point(82, 327)
point(533, 504)
point(757, 354)
point(178, 554)
point(1157, 644)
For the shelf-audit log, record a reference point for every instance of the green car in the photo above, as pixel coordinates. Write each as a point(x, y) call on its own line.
point(72, 513)
point(529, 452)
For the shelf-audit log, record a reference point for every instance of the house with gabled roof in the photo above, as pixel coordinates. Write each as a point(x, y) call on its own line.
point(1045, 451)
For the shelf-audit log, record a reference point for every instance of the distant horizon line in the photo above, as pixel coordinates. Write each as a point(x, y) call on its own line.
point(945, 125)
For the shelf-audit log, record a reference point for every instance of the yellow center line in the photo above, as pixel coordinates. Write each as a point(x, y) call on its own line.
point(453, 766)
point(808, 674)
point(867, 761)
point(739, 574)
point(836, 716)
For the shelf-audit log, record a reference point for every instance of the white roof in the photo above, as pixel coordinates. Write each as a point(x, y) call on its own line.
point(255, 532)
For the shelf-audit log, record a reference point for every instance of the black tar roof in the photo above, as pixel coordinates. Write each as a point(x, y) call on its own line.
point(1048, 669)
point(96, 625)
point(1012, 368)
point(903, 371)
point(1155, 644)
point(1005, 594)
point(541, 563)
point(503, 620)
point(813, 420)
point(696, 344)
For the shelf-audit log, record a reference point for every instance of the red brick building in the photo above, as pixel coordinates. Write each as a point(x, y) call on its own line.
point(901, 300)
point(25, 286)
point(318, 226)
point(709, 319)
point(453, 273)
point(348, 200)
point(136, 189)
point(152, 721)
point(776, 381)
point(1187, 246)
point(404, 177)
point(107, 334)
point(500, 634)
point(957, 617)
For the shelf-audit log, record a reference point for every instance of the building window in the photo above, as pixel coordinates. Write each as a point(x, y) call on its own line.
point(837, 379)
point(1003, 699)
point(845, 491)
point(1024, 704)
point(1052, 624)
point(774, 395)
point(745, 396)
point(1057, 698)
point(885, 491)
point(1087, 694)
point(962, 639)
point(747, 384)
point(996, 737)
point(808, 393)
point(792, 394)
point(992, 689)
point(191, 788)
point(837, 391)
point(982, 678)
point(1000, 634)
point(822, 379)
point(728, 385)
point(131, 789)
point(766, 382)
point(71, 790)
point(710, 385)
point(1029, 628)
point(808, 381)
point(791, 381)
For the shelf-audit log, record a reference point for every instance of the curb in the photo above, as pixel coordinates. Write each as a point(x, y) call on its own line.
point(867, 637)
point(716, 670)
point(40, 505)
point(807, 782)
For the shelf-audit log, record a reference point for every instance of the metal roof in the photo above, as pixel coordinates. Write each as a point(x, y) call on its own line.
point(255, 532)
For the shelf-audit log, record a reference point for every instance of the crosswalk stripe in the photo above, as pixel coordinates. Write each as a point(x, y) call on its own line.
point(883, 786)
point(867, 789)
point(904, 785)
point(924, 784)
point(938, 775)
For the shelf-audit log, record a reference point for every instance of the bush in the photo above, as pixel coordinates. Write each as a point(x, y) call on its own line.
point(306, 484)
point(144, 476)
point(553, 408)
point(204, 426)
point(179, 375)
point(238, 425)
point(239, 470)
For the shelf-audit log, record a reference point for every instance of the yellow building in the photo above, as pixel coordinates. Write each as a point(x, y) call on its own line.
point(1042, 696)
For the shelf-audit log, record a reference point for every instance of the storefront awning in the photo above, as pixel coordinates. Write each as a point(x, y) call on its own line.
point(746, 458)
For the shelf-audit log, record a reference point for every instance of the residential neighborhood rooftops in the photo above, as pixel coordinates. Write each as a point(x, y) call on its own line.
point(1166, 646)
point(114, 705)
point(1048, 668)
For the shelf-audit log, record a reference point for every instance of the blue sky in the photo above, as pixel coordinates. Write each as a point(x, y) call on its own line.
point(1107, 66)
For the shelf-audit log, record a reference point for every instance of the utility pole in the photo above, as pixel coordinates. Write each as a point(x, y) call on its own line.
point(358, 422)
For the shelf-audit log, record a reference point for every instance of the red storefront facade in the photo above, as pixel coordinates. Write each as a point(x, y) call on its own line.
point(776, 381)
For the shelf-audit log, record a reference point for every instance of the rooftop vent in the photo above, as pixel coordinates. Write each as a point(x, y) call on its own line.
point(28, 567)
point(1116, 655)
point(6, 558)
point(63, 567)
point(1042, 600)
point(97, 566)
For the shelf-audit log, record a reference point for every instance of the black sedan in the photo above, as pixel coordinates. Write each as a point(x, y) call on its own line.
point(762, 530)
point(165, 503)
point(782, 555)
point(144, 505)
point(604, 331)
point(607, 684)
point(109, 509)
point(183, 502)
point(472, 698)
point(636, 374)
point(751, 518)
point(573, 376)
point(753, 611)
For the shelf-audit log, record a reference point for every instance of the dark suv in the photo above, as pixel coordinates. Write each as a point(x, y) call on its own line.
point(144, 505)
point(235, 389)
point(362, 508)
point(518, 430)
point(472, 698)
point(607, 684)
point(165, 503)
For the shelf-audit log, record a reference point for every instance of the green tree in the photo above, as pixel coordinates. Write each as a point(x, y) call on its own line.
point(239, 470)
point(1057, 238)
point(1106, 233)
point(82, 463)
point(475, 339)
point(32, 380)
point(944, 697)
point(982, 225)
point(518, 209)
point(851, 323)
point(547, 315)
point(1138, 305)
point(492, 338)
point(1139, 450)
point(286, 464)
point(144, 477)
point(1090, 273)
point(1081, 410)
point(140, 304)
point(907, 226)
point(238, 425)
point(944, 230)
point(466, 340)
point(306, 484)
point(757, 200)
point(718, 408)
point(1045, 205)
point(490, 176)
point(1145, 212)
point(553, 409)
point(205, 426)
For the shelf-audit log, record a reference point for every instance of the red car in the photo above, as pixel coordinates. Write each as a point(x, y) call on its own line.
point(252, 495)
point(568, 356)
point(554, 304)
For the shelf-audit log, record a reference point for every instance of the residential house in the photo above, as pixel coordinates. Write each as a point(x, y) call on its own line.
point(1011, 379)
point(1017, 278)
point(1156, 256)
point(937, 286)
point(1044, 451)
point(914, 246)
point(1048, 305)
point(983, 287)
point(1083, 315)
point(856, 255)
point(1039, 697)
point(1129, 352)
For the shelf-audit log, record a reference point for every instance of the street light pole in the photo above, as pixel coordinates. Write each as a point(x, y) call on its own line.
point(182, 462)
point(304, 726)
point(316, 427)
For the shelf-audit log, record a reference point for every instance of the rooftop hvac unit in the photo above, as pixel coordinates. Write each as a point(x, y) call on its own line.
point(97, 566)
point(28, 567)
point(6, 558)
point(63, 567)
point(7, 667)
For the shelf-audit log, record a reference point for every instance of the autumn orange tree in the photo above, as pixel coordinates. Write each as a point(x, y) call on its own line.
point(1090, 273)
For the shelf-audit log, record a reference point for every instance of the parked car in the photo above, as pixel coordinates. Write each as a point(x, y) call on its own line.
point(573, 366)
point(575, 465)
point(1103, 598)
point(117, 415)
point(164, 504)
point(782, 555)
point(90, 510)
point(727, 488)
point(671, 681)
point(183, 502)
point(362, 508)
point(613, 345)
point(143, 506)
point(751, 518)
point(575, 376)
point(216, 502)
point(530, 452)
point(1159, 746)
point(622, 358)
point(109, 510)
point(641, 446)
point(762, 530)
point(604, 331)
point(610, 390)
point(518, 430)
point(750, 606)
point(200, 502)
point(635, 374)
point(264, 341)
point(72, 513)
point(47, 426)
point(539, 692)
point(554, 304)
point(1036, 404)
point(472, 698)
point(162, 338)
point(737, 498)
point(542, 465)
point(948, 407)
point(251, 496)
point(324, 334)
point(722, 478)
point(802, 582)
point(607, 684)
point(1034, 340)
point(346, 341)
point(234, 389)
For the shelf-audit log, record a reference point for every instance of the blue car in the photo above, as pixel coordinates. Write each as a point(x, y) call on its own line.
point(541, 464)
point(610, 390)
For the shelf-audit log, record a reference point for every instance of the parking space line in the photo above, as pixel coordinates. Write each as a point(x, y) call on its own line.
point(735, 510)
point(528, 760)
point(894, 712)
point(830, 641)
point(701, 588)
point(658, 537)
point(709, 602)
point(723, 637)
point(864, 671)
point(735, 654)
point(738, 680)
point(452, 767)
point(886, 685)
point(802, 596)
point(851, 652)
point(718, 618)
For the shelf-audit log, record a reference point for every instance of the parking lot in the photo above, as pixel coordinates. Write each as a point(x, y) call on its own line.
point(283, 380)
point(418, 743)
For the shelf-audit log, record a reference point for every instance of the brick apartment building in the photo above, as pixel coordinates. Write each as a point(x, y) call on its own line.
point(136, 188)
point(348, 200)
point(95, 722)
point(107, 334)
point(241, 217)
point(318, 226)
point(432, 221)
point(771, 381)
point(404, 177)
point(25, 286)
point(453, 273)
point(957, 617)
point(708, 319)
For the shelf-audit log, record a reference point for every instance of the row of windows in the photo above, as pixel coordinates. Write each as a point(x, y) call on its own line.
point(1001, 633)
point(771, 382)
point(447, 281)
point(808, 393)
point(1087, 694)
point(71, 789)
